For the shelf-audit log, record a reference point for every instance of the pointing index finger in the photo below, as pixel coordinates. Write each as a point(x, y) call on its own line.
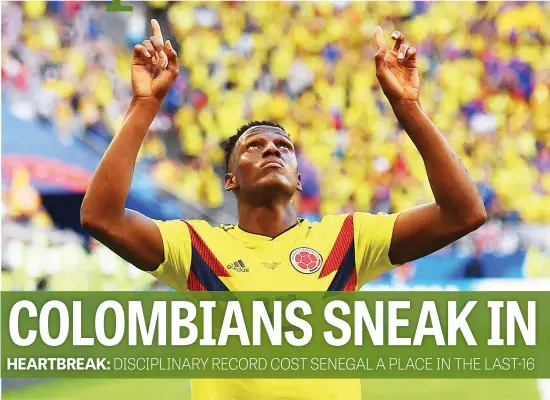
point(156, 29)
point(380, 41)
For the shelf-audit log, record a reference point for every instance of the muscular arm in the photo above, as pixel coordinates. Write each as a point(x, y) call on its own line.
point(131, 235)
point(458, 208)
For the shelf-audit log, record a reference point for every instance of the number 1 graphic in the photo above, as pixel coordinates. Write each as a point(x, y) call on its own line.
point(116, 5)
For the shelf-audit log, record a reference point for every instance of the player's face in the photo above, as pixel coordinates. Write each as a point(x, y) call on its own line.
point(264, 165)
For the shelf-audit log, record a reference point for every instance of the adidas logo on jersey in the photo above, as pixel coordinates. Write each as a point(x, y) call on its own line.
point(238, 266)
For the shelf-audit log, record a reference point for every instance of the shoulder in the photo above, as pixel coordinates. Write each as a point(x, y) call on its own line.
point(374, 227)
point(378, 218)
point(329, 222)
point(194, 223)
point(182, 227)
point(197, 223)
point(205, 230)
point(356, 220)
point(184, 231)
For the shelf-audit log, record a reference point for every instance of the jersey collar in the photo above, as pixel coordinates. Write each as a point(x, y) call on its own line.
point(254, 237)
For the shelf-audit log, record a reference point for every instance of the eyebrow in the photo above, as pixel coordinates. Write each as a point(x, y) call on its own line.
point(252, 132)
point(269, 127)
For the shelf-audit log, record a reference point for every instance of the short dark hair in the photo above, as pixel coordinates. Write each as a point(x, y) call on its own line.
point(232, 141)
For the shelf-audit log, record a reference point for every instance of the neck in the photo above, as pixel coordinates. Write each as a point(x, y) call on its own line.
point(267, 220)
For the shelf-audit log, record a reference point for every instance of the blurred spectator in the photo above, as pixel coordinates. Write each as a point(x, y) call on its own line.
point(474, 267)
point(403, 274)
point(38, 256)
point(42, 284)
point(23, 199)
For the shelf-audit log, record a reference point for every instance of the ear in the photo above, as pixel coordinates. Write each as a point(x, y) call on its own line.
point(230, 181)
point(299, 187)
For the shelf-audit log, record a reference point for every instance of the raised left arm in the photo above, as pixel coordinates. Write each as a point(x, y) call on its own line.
point(458, 208)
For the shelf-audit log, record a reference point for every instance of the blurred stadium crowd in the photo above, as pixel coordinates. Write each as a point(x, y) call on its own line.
point(38, 256)
point(485, 82)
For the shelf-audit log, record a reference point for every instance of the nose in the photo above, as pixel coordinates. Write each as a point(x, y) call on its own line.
point(271, 150)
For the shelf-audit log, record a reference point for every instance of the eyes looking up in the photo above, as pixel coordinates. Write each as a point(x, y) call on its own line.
point(259, 143)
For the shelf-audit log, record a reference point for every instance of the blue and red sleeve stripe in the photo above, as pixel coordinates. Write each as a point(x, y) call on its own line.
point(206, 269)
point(342, 260)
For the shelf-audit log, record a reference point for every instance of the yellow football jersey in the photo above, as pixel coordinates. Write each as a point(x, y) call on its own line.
point(340, 253)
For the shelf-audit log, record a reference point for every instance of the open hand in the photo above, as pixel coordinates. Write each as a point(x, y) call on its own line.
point(154, 66)
point(397, 70)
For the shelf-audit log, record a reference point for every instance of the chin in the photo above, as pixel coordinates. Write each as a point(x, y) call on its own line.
point(275, 185)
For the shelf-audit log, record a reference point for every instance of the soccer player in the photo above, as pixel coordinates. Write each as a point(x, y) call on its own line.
point(271, 248)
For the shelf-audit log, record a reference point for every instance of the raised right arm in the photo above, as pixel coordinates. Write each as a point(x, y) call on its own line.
point(130, 234)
